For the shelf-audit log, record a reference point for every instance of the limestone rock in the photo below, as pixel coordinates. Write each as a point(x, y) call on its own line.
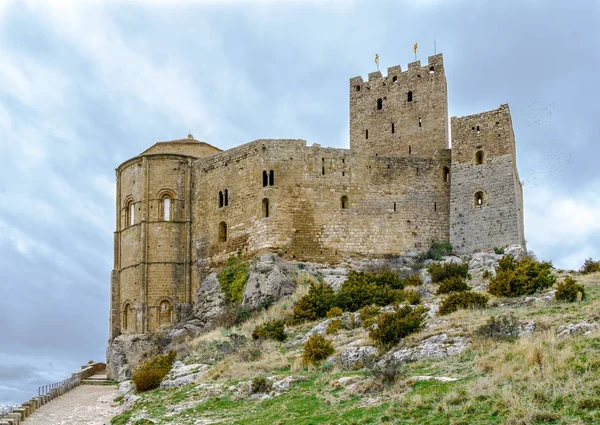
point(182, 374)
point(126, 352)
point(436, 346)
point(433, 378)
point(210, 301)
point(516, 251)
point(352, 357)
point(269, 279)
point(334, 277)
point(284, 384)
point(452, 259)
point(526, 329)
point(582, 328)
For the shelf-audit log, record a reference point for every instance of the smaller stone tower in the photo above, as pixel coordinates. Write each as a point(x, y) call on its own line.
point(401, 115)
point(486, 198)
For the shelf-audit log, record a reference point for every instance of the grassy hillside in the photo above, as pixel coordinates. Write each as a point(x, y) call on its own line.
point(541, 378)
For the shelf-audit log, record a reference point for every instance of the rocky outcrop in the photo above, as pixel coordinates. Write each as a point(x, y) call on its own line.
point(210, 302)
point(436, 346)
point(354, 357)
point(126, 352)
point(182, 374)
point(270, 278)
point(582, 328)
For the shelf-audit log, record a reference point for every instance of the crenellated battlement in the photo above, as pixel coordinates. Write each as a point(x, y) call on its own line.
point(435, 65)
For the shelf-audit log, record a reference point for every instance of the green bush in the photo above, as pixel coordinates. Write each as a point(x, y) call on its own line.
point(315, 304)
point(316, 349)
point(487, 274)
point(333, 327)
point(261, 385)
point(392, 327)
point(436, 251)
point(233, 278)
point(409, 296)
point(274, 329)
point(413, 280)
point(368, 315)
point(441, 272)
point(462, 300)
point(503, 328)
point(453, 284)
point(590, 266)
point(523, 277)
point(499, 250)
point(233, 316)
point(334, 312)
point(362, 288)
point(569, 290)
point(150, 374)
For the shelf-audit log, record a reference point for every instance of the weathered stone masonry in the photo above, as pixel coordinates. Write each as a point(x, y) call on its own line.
point(183, 206)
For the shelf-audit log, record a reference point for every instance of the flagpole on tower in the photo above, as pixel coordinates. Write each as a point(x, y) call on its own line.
point(377, 60)
point(434, 46)
point(415, 49)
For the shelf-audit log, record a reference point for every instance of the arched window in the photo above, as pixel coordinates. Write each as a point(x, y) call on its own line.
point(220, 199)
point(446, 174)
point(431, 69)
point(222, 232)
point(165, 312)
point(271, 178)
point(344, 202)
point(166, 208)
point(125, 320)
point(409, 96)
point(130, 213)
point(379, 104)
point(479, 157)
point(265, 207)
point(357, 88)
point(226, 197)
point(265, 179)
point(420, 122)
point(478, 199)
point(395, 79)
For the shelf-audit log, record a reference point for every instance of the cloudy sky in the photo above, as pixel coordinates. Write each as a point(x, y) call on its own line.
point(87, 85)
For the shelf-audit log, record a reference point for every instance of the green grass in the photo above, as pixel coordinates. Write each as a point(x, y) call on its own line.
point(499, 383)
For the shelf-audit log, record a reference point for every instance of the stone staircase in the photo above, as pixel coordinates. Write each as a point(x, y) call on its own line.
point(98, 379)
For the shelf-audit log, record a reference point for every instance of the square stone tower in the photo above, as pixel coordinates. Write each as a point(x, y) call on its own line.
point(486, 197)
point(401, 115)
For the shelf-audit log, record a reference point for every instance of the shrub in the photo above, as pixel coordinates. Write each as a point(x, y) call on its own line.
point(368, 315)
point(333, 327)
point(413, 280)
point(441, 272)
point(150, 374)
point(334, 312)
point(523, 277)
point(590, 266)
point(392, 327)
point(502, 328)
point(261, 385)
point(436, 251)
point(409, 296)
point(362, 288)
point(274, 329)
point(233, 278)
point(487, 274)
point(315, 304)
point(453, 284)
point(462, 300)
point(499, 250)
point(389, 371)
point(569, 290)
point(233, 316)
point(316, 349)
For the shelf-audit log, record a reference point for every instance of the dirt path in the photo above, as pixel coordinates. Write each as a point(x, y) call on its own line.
point(84, 405)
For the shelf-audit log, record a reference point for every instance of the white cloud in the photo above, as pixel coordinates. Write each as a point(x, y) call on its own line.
point(556, 223)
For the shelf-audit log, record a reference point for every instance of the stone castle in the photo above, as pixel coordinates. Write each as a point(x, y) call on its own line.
point(184, 206)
